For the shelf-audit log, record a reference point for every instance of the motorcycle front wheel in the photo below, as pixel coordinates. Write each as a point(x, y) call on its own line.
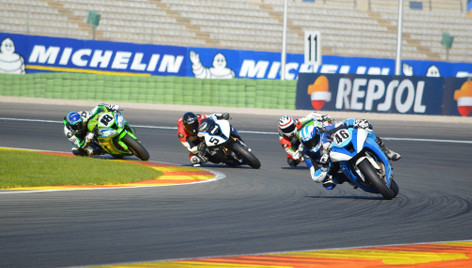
point(248, 157)
point(136, 147)
point(371, 175)
point(394, 188)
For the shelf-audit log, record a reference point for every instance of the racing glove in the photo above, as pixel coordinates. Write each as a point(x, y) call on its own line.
point(296, 155)
point(319, 117)
point(324, 159)
point(326, 118)
point(88, 139)
point(225, 116)
point(201, 146)
point(362, 123)
point(315, 116)
point(113, 107)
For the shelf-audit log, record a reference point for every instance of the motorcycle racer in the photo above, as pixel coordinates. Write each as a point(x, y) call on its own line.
point(187, 134)
point(76, 131)
point(288, 128)
point(316, 146)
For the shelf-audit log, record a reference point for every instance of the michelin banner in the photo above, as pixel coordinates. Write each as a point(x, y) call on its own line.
point(29, 54)
point(23, 53)
point(384, 94)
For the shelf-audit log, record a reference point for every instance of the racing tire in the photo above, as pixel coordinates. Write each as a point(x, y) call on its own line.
point(369, 172)
point(248, 157)
point(136, 147)
point(394, 188)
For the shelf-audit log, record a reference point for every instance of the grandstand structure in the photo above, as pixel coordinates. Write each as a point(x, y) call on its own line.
point(362, 28)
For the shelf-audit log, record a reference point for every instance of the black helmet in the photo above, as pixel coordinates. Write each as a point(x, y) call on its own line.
point(190, 122)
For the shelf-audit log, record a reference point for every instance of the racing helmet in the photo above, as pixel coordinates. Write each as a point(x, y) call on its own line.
point(190, 122)
point(310, 136)
point(287, 126)
point(74, 120)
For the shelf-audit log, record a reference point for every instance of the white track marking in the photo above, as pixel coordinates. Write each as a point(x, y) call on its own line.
point(245, 131)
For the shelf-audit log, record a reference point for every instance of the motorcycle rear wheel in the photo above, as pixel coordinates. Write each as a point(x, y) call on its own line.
point(371, 175)
point(251, 159)
point(136, 147)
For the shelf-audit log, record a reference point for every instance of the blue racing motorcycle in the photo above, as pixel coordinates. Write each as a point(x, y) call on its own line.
point(363, 162)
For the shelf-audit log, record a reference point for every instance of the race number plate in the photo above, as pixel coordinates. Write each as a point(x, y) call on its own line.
point(341, 136)
point(106, 120)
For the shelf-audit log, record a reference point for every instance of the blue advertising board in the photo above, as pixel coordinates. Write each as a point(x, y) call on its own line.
point(267, 65)
point(42, 54)
point(28, 54)
point(384, 94)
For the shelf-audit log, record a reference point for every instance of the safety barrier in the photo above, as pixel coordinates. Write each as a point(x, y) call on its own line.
point(249, 93)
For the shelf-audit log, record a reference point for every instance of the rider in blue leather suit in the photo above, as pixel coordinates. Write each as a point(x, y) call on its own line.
point(316, 142)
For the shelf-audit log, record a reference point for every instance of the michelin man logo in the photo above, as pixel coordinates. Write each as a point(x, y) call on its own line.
point(433, 70)
point(10, 62)
point(217, 71)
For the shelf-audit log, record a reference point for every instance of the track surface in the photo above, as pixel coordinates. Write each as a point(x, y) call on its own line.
point(272, 209)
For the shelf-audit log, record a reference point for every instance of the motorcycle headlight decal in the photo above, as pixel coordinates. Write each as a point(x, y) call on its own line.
point(119, 119)
point(203, 127)
point(339, 157)
point(107, 133)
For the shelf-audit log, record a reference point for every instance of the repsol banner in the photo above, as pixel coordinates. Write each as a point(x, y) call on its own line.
point(384, 94)
point(29, 54)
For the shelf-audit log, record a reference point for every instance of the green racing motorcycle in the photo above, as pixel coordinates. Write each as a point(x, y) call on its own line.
point(115, 135)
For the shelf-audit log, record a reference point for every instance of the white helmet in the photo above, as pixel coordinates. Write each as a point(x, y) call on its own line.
point(287, 126)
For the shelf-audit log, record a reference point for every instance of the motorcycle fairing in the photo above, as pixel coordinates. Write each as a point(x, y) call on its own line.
point(351, 149)
point(120, 120)
point(113, 127)
point(214, 131)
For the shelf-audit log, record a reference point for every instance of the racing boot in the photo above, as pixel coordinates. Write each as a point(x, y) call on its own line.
point(198, 159)
point(94, 149)
point(392, 155)
point(329, 183)
point(292, 162)
point(79, 151)
point(195, 160)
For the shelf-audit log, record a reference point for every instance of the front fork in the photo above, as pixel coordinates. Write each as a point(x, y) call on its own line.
point(380, 169)
point(120, 139)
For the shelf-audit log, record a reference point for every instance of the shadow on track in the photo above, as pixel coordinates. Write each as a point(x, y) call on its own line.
point(348, 197)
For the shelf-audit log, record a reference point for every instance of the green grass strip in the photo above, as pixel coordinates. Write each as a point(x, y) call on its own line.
point(250, 93)
point(33, 169)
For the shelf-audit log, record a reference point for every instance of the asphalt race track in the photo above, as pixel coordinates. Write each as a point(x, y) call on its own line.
point(272, 209)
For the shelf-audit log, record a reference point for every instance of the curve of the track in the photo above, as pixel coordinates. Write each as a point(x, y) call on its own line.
point(251, 211)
